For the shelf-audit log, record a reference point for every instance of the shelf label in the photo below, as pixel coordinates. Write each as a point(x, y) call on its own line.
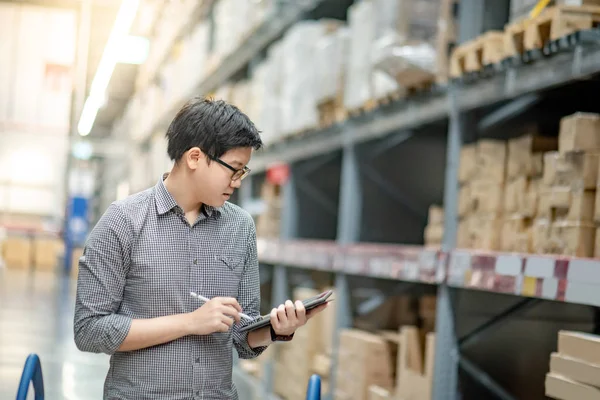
point(460, 264)
point(411, 270)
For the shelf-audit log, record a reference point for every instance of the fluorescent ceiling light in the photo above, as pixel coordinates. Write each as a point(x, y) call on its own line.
point(107, 64)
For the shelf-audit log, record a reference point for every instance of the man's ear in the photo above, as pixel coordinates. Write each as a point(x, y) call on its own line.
point(193, 157)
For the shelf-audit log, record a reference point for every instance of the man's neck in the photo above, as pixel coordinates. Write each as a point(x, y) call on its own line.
point(177, 183)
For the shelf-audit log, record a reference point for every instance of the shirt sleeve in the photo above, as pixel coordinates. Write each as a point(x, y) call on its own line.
point(249, 299)
point(102, 272)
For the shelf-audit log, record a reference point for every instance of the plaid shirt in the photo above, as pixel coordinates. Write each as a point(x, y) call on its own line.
point(142, 260)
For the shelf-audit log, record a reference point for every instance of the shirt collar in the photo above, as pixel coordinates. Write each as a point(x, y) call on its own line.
point(165, 202)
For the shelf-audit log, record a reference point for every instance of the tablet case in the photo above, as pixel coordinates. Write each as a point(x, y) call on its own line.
point(309, 304)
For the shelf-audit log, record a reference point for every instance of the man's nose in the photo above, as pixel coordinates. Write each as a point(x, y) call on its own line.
point(236, 183)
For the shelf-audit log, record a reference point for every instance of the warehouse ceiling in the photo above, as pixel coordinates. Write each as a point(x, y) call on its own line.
point(121, 86)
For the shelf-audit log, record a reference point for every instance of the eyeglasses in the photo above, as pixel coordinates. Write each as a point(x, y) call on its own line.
point(237, 173)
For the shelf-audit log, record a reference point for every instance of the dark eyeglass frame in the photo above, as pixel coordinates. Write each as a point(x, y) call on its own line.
point(237, 173)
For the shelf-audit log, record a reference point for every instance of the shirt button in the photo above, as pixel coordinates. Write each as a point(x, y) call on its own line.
point(198, 360)
point(195, 262)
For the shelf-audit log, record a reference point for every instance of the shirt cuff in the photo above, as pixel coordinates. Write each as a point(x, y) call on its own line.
point(115, 330)
point(240, 340)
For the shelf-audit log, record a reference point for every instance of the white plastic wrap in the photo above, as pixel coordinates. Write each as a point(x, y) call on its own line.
point(404, 62)
point(357, 86)
point(298, 105)
point(331, 55)
point(406, 31)
point(270, 115)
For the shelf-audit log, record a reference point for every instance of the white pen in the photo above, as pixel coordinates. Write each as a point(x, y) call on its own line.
point(200, 297)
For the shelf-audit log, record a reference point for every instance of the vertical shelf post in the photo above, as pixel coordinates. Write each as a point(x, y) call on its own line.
point(349, 226)
point(445, 380)
point(280, 291)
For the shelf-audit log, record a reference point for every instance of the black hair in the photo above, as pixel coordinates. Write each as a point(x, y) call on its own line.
point(212, 125)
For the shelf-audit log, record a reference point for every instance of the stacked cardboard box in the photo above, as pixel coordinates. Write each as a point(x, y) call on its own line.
point(363, 361)
point(308, 353)
point(523, 173)
point(520, 9)
point(434, 231)
point(268, 222)
point(482, 175)
point(17, 252)
point(416, 354)
point(46, 253)
point(575, 368)
point(565, 217)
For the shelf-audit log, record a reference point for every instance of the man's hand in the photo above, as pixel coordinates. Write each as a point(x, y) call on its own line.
point(288, 317)
point(216, 315)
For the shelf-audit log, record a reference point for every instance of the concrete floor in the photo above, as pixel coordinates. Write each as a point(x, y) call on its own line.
point(36, 316)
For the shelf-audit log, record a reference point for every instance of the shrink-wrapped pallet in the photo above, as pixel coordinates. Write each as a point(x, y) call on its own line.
point(331, 55)
point(358, 88)
point(405, 40)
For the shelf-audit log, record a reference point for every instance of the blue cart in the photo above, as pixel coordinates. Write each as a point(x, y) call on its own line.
point(32, 373)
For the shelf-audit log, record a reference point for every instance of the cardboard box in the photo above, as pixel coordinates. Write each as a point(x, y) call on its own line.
point(465, 201)
point(577, 170)
point(580, 131)
point(433, 235)
point(579, 345)
point(515, 195)
point(525, 155)
point(564, 204)
point(575, 369)
point(560, 387)
point(597, 206)
point(487, 197)
point(17, 252)
point(415, 365)
point(517, 234)
point(575, 239)
point(436, 215)
point(363, 360)
point(464, 234)
point(468, 163)
point(46, 252)
point(540, 236)
point(491, 160)
point(379, 393)
point(486, 233)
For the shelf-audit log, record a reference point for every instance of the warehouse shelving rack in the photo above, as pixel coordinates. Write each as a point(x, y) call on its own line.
point(339, 174)
point(529, 278)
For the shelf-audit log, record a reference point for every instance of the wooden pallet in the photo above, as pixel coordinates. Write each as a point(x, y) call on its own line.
point(552, 24)
point(331, 111)
point(474, 55)
point(366, 107)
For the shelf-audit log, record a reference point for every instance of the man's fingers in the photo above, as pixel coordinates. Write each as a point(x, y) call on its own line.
point(232, 312)
point(230, 301)
point(274, 319)
point(300, 311)
point(226, 320)
point(281, 314)
point(290, 311)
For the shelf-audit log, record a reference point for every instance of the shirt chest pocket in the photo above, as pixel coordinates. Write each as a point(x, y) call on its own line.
point(223, 277)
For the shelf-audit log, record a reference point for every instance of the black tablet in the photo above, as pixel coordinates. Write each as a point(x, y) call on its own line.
point(309, 304)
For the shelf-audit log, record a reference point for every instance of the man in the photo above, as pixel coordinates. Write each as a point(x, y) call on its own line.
point(150, 251)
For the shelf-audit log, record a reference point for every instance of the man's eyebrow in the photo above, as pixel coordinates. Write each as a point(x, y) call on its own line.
point(238, 163)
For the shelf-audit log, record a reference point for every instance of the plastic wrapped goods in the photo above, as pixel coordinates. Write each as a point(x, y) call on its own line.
point(358, 87)
point(406, 34)
point(331, 55)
